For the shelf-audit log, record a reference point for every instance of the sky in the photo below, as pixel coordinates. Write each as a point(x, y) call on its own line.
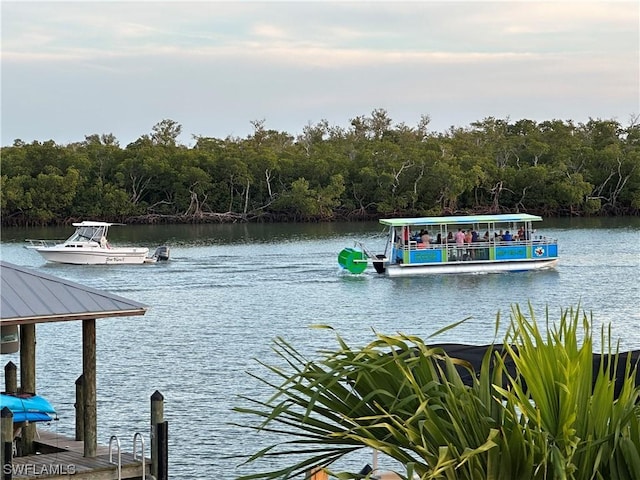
point(78, 68)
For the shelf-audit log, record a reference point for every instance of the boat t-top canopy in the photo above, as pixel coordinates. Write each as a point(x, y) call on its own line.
point(461, 219)
point(89, 223)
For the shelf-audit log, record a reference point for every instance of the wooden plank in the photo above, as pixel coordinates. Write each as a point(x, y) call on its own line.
point(62, 465)
point(56, 441)
point(68, 460)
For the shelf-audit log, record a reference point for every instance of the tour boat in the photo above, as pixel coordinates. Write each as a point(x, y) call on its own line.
point(484, 244)
point(89, 246)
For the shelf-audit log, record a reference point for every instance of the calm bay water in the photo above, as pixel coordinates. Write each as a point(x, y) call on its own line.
point(229, 290)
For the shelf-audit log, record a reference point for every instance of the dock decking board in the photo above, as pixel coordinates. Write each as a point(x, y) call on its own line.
point(69, 461)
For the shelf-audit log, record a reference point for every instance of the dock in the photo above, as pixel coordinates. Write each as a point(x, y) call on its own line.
point(29, 298)
point(65, 459)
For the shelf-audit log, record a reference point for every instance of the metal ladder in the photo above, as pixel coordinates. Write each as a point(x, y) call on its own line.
point(117, 441)
point(137, 436)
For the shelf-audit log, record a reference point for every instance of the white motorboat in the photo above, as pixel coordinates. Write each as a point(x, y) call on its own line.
point(89, 245)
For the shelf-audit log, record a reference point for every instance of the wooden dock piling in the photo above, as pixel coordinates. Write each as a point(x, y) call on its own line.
point(157, 418)
point(80, 408)
point(6, 440)
point(10, 378)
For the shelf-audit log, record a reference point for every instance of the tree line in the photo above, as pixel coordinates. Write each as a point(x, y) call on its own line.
point(371, 169)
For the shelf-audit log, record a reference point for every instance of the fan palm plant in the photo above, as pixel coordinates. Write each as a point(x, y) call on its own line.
point(547, 417)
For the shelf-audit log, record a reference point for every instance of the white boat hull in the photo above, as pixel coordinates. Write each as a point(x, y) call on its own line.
point(400, 270)
point(94, 255)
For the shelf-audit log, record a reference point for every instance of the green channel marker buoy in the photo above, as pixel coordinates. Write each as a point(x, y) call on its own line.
point(352, 260)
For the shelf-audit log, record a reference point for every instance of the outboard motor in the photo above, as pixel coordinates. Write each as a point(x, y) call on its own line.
point(161, 253)
point(378, 264)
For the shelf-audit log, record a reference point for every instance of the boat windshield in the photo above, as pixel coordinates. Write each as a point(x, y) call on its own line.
point(88, 233)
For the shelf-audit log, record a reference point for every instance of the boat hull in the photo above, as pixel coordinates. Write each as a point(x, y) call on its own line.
point(94, 256)
point(400, 270)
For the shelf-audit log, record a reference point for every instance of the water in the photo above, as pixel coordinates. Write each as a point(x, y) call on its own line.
point(229, 290)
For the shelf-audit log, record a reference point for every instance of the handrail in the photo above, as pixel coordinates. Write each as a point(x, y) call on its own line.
point(413, 245)
point(37, 243)
point(114, 437)
point(142, 459)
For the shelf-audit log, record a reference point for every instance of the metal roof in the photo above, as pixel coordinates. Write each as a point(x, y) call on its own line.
point(462, 219)
point(33, 297)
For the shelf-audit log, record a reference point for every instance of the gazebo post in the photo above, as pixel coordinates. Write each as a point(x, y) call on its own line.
point(90, 424)
point(28, 379)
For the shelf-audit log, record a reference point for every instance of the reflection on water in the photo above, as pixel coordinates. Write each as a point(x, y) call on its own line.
point(229, 290)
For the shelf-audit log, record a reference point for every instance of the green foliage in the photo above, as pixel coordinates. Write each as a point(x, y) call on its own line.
point(372, 169)
point(546, 419)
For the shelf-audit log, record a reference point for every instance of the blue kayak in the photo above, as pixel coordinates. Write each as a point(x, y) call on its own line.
point(28, 407)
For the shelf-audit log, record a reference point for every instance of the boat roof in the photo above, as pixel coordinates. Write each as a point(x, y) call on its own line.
point(89, 223)
point(461, 219)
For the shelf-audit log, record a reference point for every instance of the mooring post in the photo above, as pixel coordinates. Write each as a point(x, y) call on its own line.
point(6, 452)
point(11, 378)
point(157, 418)
point(162, 441)
point(28, 381)
point(80, 408)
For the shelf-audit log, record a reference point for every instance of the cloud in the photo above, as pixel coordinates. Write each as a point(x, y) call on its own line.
point(76, 68)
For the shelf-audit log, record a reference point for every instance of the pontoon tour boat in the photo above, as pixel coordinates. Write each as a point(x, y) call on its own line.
point(89, 246)
point(456, 244)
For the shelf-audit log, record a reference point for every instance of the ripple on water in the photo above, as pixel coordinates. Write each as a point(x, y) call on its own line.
point(215, 308)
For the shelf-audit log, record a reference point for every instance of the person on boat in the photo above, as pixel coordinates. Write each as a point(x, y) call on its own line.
point(468, 238)
point(460, 236)
point(450, 238)
point(104, 243)
point(425, 238)
point(507, 237)
point(486, 236)
point(439, 238)
point(398, 237)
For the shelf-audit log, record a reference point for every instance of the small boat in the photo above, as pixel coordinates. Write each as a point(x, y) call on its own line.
point(89, 246)
point(9, 339)
point(27, 407)
point(456, 244)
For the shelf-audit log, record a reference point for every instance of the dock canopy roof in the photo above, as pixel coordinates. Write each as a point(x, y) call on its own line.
point(33, 297)
point(462, 219)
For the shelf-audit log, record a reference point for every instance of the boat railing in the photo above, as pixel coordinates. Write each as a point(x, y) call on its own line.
point(537, 240)
point(35, 243)
point(365, 250)
point(481, 250)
